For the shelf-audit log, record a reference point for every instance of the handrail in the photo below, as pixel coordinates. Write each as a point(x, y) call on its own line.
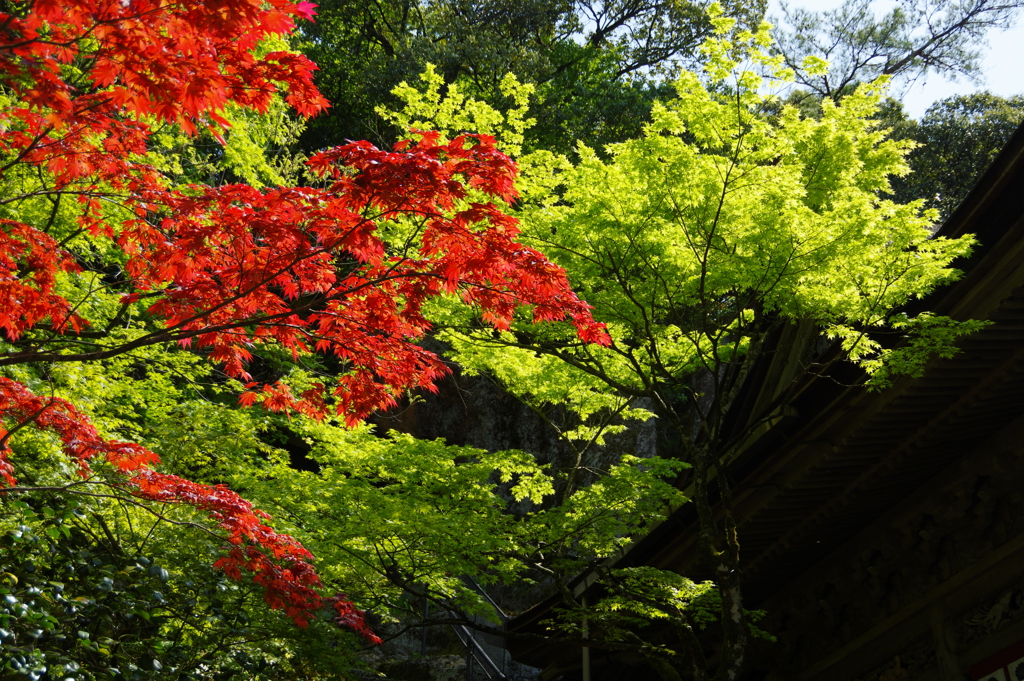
point(490, 600)
point(474, 649)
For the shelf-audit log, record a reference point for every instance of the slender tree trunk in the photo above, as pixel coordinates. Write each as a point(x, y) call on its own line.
point(719, 549)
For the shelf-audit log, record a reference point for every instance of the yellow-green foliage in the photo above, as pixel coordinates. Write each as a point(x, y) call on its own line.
point(730, 213)
point(389, 515)
point(454, 113)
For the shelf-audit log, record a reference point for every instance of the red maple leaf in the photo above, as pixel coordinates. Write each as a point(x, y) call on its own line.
point(230, 269)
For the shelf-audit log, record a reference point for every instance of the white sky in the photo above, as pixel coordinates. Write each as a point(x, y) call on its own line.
point(1003, 63)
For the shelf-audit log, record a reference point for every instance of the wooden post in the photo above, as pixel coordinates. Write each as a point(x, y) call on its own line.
point(423, 636)
point(586, 649)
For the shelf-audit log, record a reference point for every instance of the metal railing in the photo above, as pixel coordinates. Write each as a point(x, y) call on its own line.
point(474, 651)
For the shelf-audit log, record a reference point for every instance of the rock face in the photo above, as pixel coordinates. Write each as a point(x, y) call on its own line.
point(475, 411)
point(440, 668)
point(403, 659)
point(444, 668)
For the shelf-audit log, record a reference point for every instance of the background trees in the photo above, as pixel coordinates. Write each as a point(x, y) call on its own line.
point(959, 138)
point(911, 40)
point(597, 65)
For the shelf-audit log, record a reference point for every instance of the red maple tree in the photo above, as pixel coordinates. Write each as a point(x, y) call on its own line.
point(229, 269)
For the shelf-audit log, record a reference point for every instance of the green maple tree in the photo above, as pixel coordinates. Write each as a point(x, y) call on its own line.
point(730, 219)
